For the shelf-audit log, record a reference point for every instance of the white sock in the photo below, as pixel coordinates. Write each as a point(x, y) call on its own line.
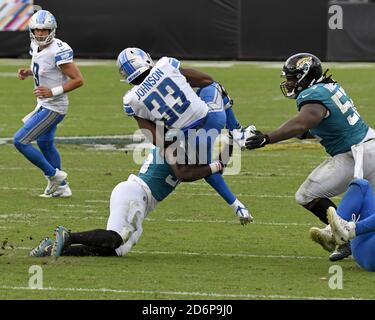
point(237, 203)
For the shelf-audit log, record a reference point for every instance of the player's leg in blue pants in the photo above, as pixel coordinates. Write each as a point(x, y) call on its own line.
point(41, 127)
point(360, 200)
point(214, 123)
point(47, 146)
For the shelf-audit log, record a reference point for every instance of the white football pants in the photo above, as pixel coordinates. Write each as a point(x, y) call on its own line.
point(333, 176)
point(128, 208)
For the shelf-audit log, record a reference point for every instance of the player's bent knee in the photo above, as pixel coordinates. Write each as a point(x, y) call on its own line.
point(301, 197)
point(18, 144)
point(362, 183)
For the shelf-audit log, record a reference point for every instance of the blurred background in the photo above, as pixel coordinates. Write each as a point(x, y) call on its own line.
point(201, 29)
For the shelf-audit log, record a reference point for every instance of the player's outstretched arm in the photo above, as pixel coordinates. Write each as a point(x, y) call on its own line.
point(196, 78)
point(309, 117)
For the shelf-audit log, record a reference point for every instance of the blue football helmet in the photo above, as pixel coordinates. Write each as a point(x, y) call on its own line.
point(132, 62)
point(42, 19)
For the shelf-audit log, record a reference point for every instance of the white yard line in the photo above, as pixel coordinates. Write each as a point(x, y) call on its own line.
point(177, 293)
point(223, 255)
point(31, 215)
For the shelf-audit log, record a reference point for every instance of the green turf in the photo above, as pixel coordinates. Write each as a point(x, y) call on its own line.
point(193, 246)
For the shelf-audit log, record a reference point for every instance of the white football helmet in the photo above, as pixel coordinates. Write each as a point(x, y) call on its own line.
point(132, 62)
point(42, 19)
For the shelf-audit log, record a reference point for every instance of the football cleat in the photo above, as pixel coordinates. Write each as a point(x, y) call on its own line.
point(43, 249)
point(324, 237)
point(244, 215)
point(342, 230)
point(240, 135)
point(61, 192)
point(55, 181)
point(62, 240)
point(342, 251)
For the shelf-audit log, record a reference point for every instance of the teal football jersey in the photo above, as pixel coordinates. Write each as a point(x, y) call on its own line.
point(158, 175)
point(343, 126)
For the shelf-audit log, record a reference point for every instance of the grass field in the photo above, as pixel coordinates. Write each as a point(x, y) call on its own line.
point(192, 247)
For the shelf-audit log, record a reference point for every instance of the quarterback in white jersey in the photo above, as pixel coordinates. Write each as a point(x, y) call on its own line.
point(45, 65)
point(54, 74)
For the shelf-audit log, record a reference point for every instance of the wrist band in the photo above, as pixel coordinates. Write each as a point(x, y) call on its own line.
point(57, 91)
point(215, 167)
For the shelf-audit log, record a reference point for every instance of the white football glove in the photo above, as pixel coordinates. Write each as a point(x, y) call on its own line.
point(244, 215)
point(239, 136)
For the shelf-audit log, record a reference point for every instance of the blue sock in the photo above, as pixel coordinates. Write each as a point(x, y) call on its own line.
point(36, 157)
point(232, 122)
point(217, 182)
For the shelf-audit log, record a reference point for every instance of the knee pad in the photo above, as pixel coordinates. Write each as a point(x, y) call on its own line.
point(19, 145)
point(302, 197)
point(362, 183)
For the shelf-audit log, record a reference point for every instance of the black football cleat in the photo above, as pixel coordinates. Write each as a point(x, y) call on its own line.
point(342, 251)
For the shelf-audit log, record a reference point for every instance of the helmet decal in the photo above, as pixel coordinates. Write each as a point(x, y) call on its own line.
point(304, 63)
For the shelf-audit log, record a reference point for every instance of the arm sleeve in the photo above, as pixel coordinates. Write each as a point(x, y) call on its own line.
point(64, 55)
point(174, 63)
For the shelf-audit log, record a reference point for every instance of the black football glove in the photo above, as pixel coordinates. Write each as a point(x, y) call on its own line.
point(258, 140)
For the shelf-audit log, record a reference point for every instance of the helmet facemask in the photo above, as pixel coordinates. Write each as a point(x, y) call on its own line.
point(47, 40)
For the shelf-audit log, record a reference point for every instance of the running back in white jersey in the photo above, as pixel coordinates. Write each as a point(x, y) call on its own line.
point(165, 95)
point(45, 67)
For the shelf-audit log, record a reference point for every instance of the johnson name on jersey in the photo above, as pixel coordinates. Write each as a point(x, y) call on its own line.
point(343, 126)
point(165, 95)
point(45, 67)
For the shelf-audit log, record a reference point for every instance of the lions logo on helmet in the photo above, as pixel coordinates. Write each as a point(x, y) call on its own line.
point(42, 19)
point(132, 62)
point(301, 71)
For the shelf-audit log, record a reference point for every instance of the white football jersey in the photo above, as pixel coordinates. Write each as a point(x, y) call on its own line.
point(45, 67)
point(165, 95)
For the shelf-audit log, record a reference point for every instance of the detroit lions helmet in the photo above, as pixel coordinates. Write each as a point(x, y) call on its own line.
point(42, 19)
point(301, 71)
point(132, 62)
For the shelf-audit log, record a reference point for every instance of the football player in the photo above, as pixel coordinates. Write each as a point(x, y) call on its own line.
point(54, 74)
point(327, 113)
point(164, 92)
point(131, 201)
point(354, 221)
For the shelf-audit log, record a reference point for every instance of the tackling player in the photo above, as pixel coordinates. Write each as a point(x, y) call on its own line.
point(164, 92)
point(327, 113)
point(130, 203)
point(54, 74)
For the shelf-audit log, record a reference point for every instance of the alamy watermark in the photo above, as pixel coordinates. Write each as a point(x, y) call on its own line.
point(36, 278)
point(336, 280)
point(336, 18)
